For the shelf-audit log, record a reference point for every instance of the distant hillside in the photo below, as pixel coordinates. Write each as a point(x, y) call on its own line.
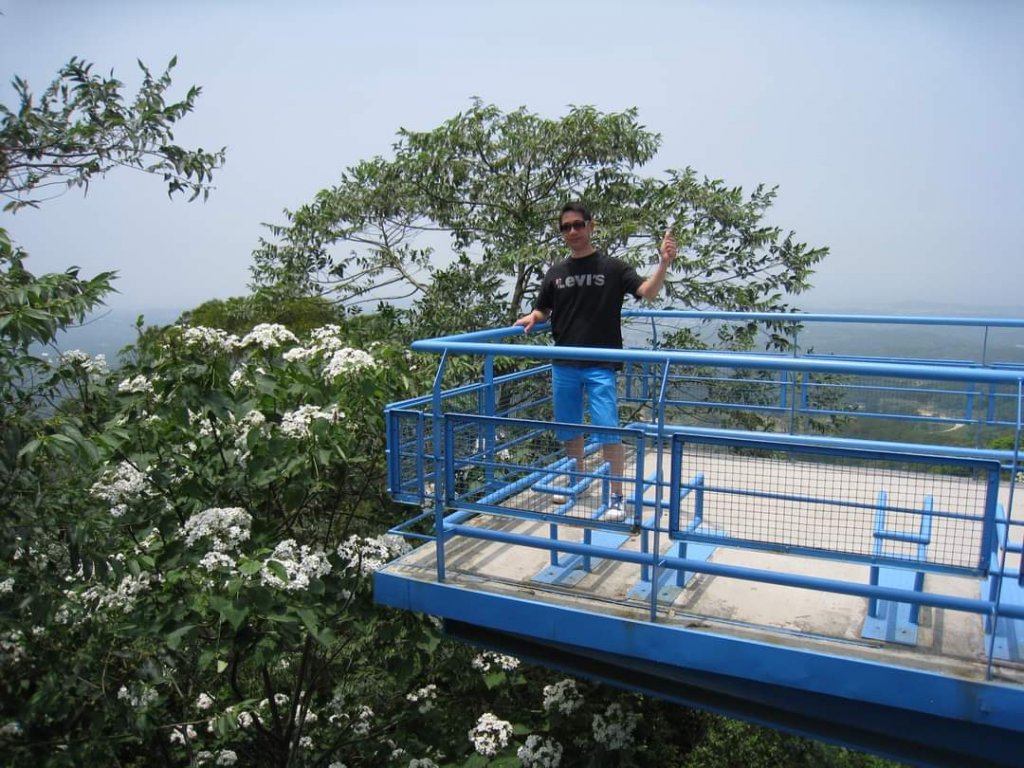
point(109, 331)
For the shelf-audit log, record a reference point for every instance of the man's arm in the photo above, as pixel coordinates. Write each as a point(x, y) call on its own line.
point(532, 318)
point(651, 287)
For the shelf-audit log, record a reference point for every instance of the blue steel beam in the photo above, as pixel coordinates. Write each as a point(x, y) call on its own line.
point(955, 721)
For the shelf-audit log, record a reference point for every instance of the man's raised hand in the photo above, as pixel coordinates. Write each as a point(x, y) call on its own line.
point(669, 249)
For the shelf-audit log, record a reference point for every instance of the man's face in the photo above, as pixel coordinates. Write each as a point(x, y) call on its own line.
point(575, 231)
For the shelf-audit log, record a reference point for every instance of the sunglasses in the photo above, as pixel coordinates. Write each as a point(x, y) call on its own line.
point(576, 225)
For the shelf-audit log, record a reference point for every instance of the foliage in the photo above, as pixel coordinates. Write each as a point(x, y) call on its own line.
point(240, 314)
point(32, 311)
point(735, 744)
point(209, 599)
point(188, 543)
point(82, 126)
point(491, 184)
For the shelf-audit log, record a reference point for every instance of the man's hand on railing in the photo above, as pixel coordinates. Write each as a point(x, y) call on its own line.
point(530, 319)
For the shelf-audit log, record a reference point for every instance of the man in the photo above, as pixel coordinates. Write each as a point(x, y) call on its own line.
point(582, 296)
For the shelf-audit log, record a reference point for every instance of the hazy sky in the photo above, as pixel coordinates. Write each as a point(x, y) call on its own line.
point(893, 129)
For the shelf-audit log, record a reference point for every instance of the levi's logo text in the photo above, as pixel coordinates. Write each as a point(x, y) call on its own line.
point(579, 281)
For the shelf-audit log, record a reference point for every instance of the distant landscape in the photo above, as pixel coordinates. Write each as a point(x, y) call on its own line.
point(110, 330)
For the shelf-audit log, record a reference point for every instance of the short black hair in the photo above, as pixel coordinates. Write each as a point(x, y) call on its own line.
point(575, 208)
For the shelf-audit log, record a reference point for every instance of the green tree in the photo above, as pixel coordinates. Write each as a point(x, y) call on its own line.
point(83, 126)
point(489, 185)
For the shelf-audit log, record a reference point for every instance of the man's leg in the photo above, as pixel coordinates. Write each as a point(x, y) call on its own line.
point(602, 394)
point(567, 393)
point(613, 454)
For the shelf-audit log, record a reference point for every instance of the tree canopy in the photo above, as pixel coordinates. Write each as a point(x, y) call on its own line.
point(475, 202)
point(83, 126)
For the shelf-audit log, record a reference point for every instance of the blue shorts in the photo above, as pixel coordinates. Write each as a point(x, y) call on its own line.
point(569, 382)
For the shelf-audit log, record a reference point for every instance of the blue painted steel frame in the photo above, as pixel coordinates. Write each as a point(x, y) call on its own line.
point(789, 674)
point(791, 684)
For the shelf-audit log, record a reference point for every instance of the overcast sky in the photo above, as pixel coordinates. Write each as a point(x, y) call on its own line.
point(893, 129)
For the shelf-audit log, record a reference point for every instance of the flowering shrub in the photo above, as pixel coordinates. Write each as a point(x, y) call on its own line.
point(193, 587)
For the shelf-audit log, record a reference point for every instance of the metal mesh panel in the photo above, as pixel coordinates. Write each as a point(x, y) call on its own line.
point(854, 507)
point(411, 441)
point(521, 467)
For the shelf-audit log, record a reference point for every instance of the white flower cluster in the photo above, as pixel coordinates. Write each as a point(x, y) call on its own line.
point(425, 697)
point(614, 729)
point(137, 384)
point(7, 586)
point(348, 360)
point(324, 339)
point(490, 734)
point(204, 702)
point(268, 336)
point(369, 555)
point(224, 529)
point(295, 424)
point(562, 697)
point(361, 727)
point(182, 737)
point(213, 561)
point(301, 565)
point(539, 752)
point(252, 421)
point(227, 757)
point(422, 762)
point(120, 486)
point(123, 598)
point(94, 366)
point(12, 648)
point(208, 339)
point(486, 660)
point(10, 729)
point(237, 377)
point(139, 696)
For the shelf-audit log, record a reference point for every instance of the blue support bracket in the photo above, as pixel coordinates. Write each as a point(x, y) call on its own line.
point(887, 620)
point(570, 570)
point(893, 622)
point(671, 583)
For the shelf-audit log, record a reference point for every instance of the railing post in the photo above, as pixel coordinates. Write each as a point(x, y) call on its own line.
point(439, 490)
point(490, 430)
point(658, 487)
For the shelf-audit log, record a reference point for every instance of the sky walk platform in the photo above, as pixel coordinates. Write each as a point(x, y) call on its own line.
point(856, 591)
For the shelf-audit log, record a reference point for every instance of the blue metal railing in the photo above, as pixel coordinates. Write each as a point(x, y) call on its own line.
point(488, 447)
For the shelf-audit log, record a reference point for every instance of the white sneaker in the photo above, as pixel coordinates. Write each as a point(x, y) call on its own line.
point(616, 511)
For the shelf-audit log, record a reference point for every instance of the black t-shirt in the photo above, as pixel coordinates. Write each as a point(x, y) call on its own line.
point(585, 299)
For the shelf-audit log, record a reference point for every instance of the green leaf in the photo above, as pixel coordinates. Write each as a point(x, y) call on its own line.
point(494, 679)
point(173, 640)
point(228, 611)
point(309, 619)
point(250, 567)
point(278, 570)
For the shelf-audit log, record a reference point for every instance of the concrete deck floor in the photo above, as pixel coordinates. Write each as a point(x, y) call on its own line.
point(949, 642)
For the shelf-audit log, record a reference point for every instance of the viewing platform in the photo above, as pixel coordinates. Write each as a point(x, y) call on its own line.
point(823, 543)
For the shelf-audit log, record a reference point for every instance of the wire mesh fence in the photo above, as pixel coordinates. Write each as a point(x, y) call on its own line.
point(929, 511)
